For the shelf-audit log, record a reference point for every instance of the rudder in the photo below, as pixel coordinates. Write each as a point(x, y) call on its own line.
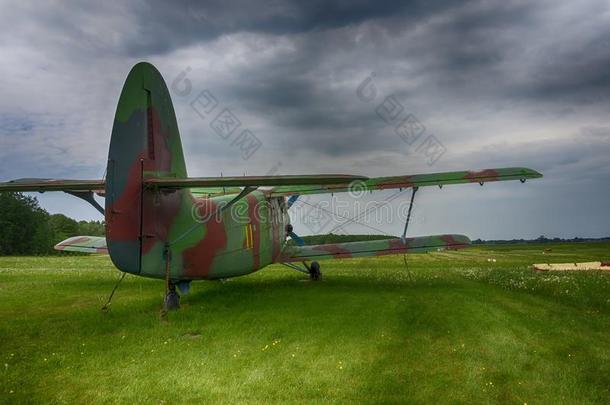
point(145, 143)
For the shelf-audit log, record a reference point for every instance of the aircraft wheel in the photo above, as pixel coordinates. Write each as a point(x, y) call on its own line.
point(172, 300)
point(314, 271)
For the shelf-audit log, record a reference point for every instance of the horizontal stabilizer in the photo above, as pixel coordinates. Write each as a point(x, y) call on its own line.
point(84, 244)
point(382, 247)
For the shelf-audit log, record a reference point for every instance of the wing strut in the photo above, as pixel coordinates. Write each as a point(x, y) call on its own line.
point(403, 238)
point(87, 196)
point(107, 304)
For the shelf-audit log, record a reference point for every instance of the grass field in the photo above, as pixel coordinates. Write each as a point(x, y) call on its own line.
point(460, 329)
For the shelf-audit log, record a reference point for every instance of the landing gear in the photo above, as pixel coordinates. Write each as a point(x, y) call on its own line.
point(314, 271)
point(172, 298)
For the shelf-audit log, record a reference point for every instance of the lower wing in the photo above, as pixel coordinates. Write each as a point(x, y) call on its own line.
point(382, 247)
point(84, 244)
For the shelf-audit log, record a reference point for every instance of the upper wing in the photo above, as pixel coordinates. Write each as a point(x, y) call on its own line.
point(252, 181)
point(417, 180)
point(287, 185)
point(206, 192)
point(53, 185)
point(381, 247)
point(84, 244)
point(214, 184)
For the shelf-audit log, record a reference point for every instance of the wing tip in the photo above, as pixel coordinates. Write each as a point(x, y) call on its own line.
point(531, 173)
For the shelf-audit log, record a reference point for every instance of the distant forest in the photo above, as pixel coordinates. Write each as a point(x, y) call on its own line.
point(27, 229)
point(332, 238)
point(541, 239)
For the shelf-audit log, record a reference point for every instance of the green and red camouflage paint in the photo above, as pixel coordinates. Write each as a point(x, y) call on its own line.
point(155, 216)
point(381, 247)
point(142, 222)
point(416, 180)
point(83, 244)
point(423, 244)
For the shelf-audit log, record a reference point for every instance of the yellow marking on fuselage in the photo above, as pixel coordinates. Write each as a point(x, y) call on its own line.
point(249, 237)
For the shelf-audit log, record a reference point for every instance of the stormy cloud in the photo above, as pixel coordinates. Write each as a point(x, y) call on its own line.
point(502, 83)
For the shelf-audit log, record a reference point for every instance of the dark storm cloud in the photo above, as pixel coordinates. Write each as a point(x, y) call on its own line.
point(433, 57)
point(578, 74)
point(167, 25)
point(483, 48)
point(498, 83)
point(277, 91)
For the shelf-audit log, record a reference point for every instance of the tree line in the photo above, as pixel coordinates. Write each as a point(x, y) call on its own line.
point(335, 238)
point(27, 229)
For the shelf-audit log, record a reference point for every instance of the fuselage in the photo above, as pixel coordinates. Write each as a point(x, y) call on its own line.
point(208, 242)
point(243, 238)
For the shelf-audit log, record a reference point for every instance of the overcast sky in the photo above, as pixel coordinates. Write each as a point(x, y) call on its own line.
point(491, 84)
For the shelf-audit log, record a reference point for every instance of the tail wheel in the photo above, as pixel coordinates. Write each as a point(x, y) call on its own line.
point(314, 271)
point(172, 299)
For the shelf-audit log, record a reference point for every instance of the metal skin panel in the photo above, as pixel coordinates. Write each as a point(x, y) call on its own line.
point(145, 222)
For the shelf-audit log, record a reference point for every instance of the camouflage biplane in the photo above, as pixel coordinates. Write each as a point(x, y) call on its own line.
point(163, 224)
